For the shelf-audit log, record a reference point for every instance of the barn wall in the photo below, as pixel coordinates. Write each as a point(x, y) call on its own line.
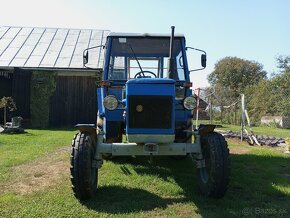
point(5, 88)
point(5, 83)
point(21, 92)
point(74, 101)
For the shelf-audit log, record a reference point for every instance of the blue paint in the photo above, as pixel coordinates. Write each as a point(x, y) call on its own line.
point(150, 86)
point(115, 115)
point(151, 81)
point(100, 95)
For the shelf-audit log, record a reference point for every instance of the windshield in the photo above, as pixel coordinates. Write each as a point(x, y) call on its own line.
point(152, 54)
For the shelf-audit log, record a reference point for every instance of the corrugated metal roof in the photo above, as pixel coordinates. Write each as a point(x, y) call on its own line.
point(144, 34)
point(34, 47)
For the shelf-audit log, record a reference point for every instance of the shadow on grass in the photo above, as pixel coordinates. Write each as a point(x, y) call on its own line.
point(255, 182)
point(117, 199)
point(56, 129)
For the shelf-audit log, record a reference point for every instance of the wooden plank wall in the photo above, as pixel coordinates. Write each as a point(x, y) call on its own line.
point(74, 101)
point(5, 89)
point(21, 92)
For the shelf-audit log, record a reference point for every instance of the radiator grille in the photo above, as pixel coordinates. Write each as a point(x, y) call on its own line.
point(150, 112)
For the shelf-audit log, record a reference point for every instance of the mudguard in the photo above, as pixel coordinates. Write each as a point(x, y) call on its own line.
point(90, 128)
point(206, 128)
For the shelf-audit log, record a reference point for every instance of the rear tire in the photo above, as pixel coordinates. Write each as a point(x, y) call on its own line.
point(214, 178)
point(84, 176)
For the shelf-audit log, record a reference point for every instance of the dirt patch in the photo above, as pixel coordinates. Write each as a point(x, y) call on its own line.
point(239, 150)
point(237, 141)
point(41, 173)
point(243, 147)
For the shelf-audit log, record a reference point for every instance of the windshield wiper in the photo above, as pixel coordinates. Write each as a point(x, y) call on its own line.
point(143, 74)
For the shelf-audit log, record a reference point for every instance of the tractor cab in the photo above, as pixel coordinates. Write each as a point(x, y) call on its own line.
point(146, 89)
point(133, 56)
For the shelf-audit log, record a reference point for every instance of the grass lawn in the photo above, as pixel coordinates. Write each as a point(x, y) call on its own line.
point(34, 182)
point(263, 130)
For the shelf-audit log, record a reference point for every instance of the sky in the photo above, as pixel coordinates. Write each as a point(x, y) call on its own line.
point(257, 30)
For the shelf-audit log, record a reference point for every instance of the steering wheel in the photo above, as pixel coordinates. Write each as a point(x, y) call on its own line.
point(141, 74)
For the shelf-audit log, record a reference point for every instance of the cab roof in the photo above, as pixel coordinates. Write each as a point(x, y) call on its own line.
point(114, 34)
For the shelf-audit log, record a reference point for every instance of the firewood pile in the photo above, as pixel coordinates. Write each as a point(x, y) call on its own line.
point(261, 139)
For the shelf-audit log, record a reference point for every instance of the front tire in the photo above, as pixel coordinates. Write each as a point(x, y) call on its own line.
point(214, 177)
point(84, 176)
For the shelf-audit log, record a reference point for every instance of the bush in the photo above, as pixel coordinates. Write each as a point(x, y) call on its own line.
point(43, 85)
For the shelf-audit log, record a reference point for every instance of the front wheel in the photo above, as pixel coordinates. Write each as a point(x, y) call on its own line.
point(214, 176)
point(84, 175)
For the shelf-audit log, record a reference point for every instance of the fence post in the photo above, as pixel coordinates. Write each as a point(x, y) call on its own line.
point(210, 110)
point(243, 116)
point(197, 108)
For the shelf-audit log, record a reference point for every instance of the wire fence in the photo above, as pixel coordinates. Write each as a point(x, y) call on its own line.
point(265, 107)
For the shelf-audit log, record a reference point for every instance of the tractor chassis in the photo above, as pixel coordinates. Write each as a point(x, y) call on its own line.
point(209, 151)
point(147, 149)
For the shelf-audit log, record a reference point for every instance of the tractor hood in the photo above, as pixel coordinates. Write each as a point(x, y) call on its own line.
point(151, 81)
point(150, 110)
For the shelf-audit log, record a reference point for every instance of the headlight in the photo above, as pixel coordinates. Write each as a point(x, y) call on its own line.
point(189, 103)
point(110, 102)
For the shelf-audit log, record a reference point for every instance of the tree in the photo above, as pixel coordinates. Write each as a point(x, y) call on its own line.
point(283, 63)
point(271, 97)
point(235, 74)
point(231, 77)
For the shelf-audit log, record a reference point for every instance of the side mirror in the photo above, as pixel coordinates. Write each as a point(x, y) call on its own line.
point(203, 60)
point(85, 57)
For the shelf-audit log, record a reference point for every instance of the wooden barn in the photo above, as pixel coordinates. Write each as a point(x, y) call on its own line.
point(42, 69)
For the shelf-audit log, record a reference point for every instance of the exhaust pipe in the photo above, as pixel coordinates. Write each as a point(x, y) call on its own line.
point(171, 60)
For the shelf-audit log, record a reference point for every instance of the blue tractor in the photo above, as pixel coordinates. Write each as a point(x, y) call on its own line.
point(145, 107)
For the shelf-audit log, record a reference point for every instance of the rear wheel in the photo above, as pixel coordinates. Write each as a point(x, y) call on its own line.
point(84, 176)
point(214, 177)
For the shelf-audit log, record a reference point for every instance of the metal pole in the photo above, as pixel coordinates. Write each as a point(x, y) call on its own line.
point(197, 108)
point(243, 116)
point(171, 58)
point(210, 110)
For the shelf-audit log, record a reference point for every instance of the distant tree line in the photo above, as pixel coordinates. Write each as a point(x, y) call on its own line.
point(264, 95)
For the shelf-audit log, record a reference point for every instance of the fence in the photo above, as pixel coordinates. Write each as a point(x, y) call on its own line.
point(268, 106)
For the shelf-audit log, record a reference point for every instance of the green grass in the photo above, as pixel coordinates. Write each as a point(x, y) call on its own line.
point(17, 149)
point(261, 130)
point(131, 187)
point(258, 130)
